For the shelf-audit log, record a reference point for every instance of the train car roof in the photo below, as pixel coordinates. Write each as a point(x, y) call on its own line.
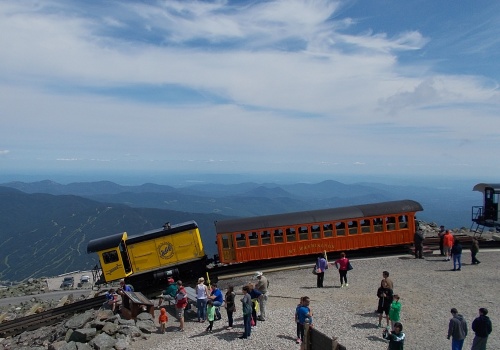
point(322, 215)
point(482, 186)
point(98, 244)
point(162, 231)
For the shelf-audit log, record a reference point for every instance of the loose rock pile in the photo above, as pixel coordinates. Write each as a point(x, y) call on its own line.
point(94, 329)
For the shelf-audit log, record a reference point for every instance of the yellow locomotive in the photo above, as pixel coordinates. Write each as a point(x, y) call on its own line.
point(148, 259)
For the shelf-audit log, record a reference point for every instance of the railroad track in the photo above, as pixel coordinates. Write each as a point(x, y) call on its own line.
point(49, 317)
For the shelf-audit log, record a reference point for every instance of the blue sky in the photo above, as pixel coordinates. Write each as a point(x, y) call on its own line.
point(329, 87)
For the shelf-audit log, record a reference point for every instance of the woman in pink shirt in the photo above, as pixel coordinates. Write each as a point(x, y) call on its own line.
point(342, 264)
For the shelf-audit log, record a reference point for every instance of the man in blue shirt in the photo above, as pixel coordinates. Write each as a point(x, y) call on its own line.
point(216, 296)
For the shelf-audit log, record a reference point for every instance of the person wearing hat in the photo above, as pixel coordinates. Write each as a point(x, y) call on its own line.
point(170, 291)
point(201, 299)
point(262, 286)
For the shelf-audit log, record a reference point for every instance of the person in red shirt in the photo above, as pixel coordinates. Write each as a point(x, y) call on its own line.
point(447, 244)
point(181, 304)
point(342, 264)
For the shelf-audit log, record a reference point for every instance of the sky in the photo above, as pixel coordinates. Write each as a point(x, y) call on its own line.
point(370, 87)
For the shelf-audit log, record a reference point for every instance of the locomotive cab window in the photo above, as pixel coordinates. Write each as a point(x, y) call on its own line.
point(290, 235)
point(327, 230)
point(110, 257)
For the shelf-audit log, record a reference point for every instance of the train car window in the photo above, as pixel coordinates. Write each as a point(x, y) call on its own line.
point(266, 237)
point(290, 235)
point(110, 257)
point(278, 236)
point(340, 228)
point(390, 223)
point(327, 230)
point(303, 233)
point(241, 240)
point(253, 239)
point(353, 227)
point(378, 225)
point(366, 226)
point(315, 232)
point(403, 221)
point(225, 241)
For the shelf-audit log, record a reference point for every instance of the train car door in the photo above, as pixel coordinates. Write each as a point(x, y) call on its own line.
point(227, 252)
point(490, 204)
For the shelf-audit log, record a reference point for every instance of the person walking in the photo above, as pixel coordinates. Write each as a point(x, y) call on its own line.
point(303, 314)
point(447, 244)
point(201, 299)
point(163, 319)
point(262, 285)
point(321, 266)
point(246, 303)
point(474, 249)
point(456, 253)
point(418, 240)
point(230, 306)
point(482, 329)
point(385, 296)
point(395, 336)
point(457, 330)
point(342, 264)
point(441, 233)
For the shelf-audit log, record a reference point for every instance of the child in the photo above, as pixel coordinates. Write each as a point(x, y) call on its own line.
point(163, 319)
point(303, 313)
point(396, 337)
point(210, 315)
point(395, 310)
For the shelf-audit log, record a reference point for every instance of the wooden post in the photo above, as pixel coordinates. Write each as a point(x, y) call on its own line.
point(305, 343)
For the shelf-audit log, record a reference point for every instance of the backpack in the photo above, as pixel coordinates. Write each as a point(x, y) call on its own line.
point(131, 287)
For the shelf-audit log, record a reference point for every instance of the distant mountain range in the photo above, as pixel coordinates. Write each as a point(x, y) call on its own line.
point(45, 226)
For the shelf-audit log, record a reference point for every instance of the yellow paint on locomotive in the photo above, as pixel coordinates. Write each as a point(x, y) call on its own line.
point(165, 251)
point(113, 266)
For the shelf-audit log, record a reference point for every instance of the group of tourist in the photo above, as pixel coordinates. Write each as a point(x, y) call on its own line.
point(457, 330)
point(210, 300)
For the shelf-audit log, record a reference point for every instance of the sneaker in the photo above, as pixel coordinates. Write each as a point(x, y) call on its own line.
point(242, 337)
point(459, 269)
point(298, 341)
point(229, 328)
point(379, 326)
point(347, 285)
point(342, 285)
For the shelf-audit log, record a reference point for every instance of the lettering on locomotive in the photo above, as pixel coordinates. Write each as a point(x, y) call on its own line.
point(166, 250)
point(113, 269)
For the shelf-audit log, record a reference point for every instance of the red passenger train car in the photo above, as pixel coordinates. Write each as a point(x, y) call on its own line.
point(311, 232)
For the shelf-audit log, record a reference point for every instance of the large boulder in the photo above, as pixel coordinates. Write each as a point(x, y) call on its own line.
point(83, 335)
point(103, 342)
point(78, 321)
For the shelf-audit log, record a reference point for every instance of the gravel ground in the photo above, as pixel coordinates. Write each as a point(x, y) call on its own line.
point(428, 290)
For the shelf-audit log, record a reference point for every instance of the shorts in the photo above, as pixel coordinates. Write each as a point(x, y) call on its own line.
point(383, 309)
point(179, 312)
